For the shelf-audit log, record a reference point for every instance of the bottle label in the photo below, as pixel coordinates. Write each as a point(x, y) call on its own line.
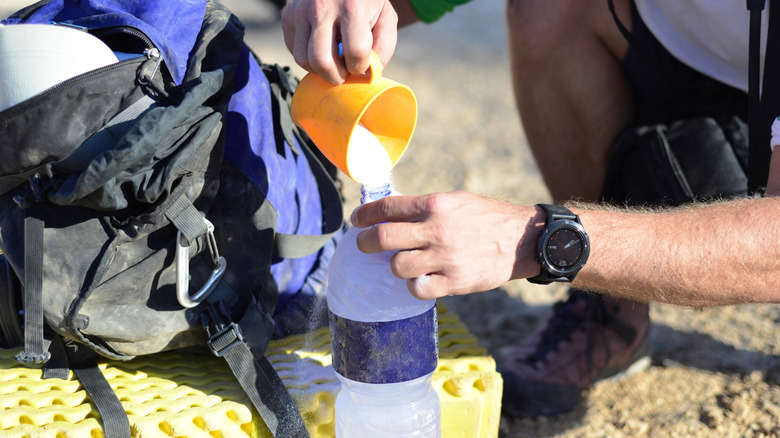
point(385, 352)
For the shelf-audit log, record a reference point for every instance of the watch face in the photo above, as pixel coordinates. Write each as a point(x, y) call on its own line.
point(564, 248)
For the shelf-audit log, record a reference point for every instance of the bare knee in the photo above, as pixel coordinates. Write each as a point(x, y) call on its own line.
point(543, 28)
point(537, 26)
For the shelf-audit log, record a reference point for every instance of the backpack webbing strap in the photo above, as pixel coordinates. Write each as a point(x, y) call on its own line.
point(35, 346)
point(281, 88)
point(254, 373)
point(770, 95)
point(764, 108)
point(622, 27)
point(186, 218)
point(115, 421)
point(301, 245)
point(273, 403)
point(57, 367)
point(83, 362)
point(755, 186)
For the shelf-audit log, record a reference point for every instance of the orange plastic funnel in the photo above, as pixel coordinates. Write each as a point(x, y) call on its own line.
point(329, 113)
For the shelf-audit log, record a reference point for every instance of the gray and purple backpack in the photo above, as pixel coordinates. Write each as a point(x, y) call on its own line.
point(165, 201)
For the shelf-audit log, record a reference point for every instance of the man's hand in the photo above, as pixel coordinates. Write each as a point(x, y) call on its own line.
point(451, 243)
point(313, 29)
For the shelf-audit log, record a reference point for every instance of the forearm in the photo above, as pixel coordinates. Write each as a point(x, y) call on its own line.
point(708, 254)
point(701, 255)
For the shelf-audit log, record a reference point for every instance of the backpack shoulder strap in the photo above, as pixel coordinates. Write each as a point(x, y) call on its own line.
point(82, 360)
point(299, 245)
point(763, 109)
point(252, 369)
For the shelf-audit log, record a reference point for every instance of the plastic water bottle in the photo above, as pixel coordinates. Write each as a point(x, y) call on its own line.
point(385, 345)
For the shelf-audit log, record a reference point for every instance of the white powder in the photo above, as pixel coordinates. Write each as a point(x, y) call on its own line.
point(368, 161)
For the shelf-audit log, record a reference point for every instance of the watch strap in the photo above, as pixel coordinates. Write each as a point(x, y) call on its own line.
point(545, 277)
point(557, 212)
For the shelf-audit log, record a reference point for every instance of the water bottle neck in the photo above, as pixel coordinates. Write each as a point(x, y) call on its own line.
point(375, 192)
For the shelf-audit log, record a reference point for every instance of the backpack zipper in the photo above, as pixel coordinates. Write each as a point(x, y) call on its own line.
point(106, 31)
point(127, 30)
point(152, 55)
point(68, 82)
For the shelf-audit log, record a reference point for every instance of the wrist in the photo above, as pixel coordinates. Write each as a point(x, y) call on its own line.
point(525, 264)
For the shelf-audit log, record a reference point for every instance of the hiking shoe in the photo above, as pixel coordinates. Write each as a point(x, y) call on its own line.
point(585, 339)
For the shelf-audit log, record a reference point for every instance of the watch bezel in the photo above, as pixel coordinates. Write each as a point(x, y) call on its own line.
point(541, 250)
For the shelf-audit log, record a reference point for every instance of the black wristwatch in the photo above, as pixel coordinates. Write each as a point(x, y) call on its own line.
point(563, 246)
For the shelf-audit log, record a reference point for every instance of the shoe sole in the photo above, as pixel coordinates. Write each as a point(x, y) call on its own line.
point(640, 361)
point(637, 367)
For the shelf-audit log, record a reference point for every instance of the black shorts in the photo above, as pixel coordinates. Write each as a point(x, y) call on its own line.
point(665, 89)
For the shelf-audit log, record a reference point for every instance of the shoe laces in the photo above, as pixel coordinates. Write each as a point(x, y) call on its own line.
point(564, 321)
point(567, 318)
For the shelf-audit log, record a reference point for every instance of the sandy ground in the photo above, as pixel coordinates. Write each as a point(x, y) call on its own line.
point(715, 372)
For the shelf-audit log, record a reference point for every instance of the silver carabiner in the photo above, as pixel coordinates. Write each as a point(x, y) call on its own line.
point(183, 269)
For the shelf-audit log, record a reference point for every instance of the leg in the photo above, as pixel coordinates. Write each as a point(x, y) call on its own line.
point(573, 100)
point(571, 93)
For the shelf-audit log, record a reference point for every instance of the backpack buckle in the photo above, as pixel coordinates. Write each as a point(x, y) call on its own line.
point(31, 358)
point(227, 335)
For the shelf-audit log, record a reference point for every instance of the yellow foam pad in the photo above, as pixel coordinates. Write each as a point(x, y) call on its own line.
point(194, 394)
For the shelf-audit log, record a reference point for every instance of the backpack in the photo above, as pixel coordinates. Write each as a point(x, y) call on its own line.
point(163, 202)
